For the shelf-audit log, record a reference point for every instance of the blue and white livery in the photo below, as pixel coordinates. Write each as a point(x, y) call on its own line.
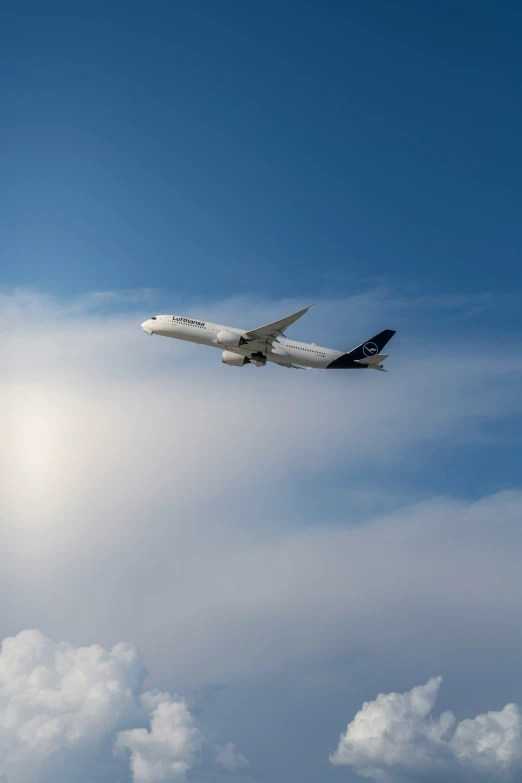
point(270, 344)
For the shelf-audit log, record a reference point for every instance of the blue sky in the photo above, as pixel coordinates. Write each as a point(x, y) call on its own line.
point(261, 147)
point(280, 549)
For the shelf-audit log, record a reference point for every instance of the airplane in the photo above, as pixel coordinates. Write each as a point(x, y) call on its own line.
point(270, 344)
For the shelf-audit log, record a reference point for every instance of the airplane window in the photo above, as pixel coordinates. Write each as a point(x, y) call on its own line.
point(153, 318)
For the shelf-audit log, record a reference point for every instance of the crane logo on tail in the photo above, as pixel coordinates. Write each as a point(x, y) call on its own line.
point(370, 349)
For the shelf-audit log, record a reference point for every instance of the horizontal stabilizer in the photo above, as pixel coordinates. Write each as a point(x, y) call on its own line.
point(377, 359)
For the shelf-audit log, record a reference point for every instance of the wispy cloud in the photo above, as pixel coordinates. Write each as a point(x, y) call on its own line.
point(142, 476)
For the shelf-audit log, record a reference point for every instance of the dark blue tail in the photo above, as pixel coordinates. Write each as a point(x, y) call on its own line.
point(365, 350)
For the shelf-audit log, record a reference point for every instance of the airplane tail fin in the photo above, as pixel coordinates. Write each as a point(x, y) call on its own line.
point(371, 347)
point(366, 355)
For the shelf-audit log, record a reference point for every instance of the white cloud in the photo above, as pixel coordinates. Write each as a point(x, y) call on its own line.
point(396, 737)
point(490, 743)
point(55, 696)
point(230, 758)
point(169, 749)
point(58, 700)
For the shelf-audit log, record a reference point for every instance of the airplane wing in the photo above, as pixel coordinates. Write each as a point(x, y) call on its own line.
point(271, 332)
point(293, 366)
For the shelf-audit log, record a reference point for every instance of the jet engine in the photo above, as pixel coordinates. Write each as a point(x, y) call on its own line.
point(234, 359)
point(230, 338)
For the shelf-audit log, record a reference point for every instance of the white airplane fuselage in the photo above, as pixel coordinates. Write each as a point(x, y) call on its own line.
point(280, 351)
point(269, 343)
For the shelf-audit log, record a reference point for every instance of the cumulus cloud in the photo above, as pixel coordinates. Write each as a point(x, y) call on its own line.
point(396, 738)
point(67, 702)
point(168, 750)
point(55, 696)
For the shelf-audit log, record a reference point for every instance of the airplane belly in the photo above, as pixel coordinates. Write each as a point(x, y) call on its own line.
point(278, 358)
point(181, 332)
point(279, 355)
point(305, 356)
point(192, 335)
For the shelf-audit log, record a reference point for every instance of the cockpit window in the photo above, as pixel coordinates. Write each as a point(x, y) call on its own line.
point(153, 318)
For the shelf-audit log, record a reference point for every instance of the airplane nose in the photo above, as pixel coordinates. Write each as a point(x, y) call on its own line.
point(146, 327)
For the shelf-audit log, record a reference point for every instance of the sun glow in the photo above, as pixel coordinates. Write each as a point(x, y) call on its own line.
point(35, 453)
point(52, 437)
